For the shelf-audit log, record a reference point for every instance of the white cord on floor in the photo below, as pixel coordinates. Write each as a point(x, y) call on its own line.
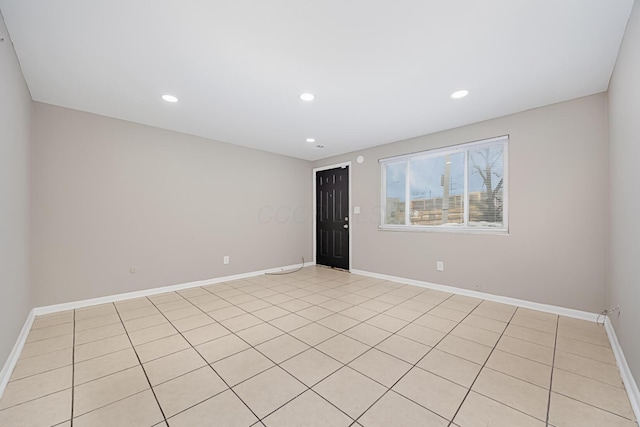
point(287, 272)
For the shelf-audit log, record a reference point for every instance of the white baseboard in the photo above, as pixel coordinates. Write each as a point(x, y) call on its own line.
point(7, 369)
point(569, 312)
point(154, 291)
point(10, 364)
point(629, 382)
point(625, 372)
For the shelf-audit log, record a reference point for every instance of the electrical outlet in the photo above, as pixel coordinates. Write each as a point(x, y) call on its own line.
point(440, 265)
point(225, 260)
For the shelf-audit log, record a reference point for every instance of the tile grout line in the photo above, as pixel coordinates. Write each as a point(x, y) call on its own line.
point(405, 299)
point(335, 312)
point(308, 388)
point(112, 403)
point(514, 377)
point(109, 374)
point(528, 358)
point(141, 366)
point(316, 292)
point(101, 355)
point(337, 333)
point(340, 362)
point(553, 365)
point(583, 339)
point(389, 389)
point(396, 333)
point(47, 338)
point(360, 322)
point(480, 371)
point(42, 354)
point(288, 333)
point(45, 371)
point(272, 361)
point(595, 407)
point(207, 364)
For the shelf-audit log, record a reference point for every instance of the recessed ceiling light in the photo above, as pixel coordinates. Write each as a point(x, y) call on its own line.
point(459, 94)
point(307, 96)
point(311, 140)
point(169, 98)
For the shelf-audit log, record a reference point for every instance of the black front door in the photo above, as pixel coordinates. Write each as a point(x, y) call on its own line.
point(332, 218)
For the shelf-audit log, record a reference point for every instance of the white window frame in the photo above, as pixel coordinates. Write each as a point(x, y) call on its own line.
point(438, 152)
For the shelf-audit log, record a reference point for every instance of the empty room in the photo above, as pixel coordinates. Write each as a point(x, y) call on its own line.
point(333, 213)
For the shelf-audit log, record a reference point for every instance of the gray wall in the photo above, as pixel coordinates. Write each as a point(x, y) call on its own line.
point(556, 249)
point(624, 139)
point(15, 117)
point(109, 195)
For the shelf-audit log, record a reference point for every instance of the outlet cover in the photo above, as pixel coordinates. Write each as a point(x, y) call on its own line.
point(440, 265)
point(225, 260)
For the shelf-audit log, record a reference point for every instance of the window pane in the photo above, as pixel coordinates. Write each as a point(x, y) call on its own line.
point(437, 190)
point(395, 193)
point(486, 184)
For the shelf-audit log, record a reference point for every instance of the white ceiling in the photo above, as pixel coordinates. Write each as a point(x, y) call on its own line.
point(381, 71)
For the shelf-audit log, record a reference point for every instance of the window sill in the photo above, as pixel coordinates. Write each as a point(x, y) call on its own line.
point(455, 230)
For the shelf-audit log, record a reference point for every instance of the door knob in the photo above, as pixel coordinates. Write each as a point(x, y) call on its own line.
point(346, 226)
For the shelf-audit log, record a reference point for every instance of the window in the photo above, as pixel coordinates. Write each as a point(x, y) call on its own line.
point(463, 187)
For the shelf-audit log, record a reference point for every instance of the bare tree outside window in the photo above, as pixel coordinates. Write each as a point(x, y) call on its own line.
point(462, 187)
point(487, 164)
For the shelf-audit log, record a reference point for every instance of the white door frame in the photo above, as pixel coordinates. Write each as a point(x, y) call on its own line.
point(315, 171)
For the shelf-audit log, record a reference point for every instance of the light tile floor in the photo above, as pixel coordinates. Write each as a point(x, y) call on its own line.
point(317, 347)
